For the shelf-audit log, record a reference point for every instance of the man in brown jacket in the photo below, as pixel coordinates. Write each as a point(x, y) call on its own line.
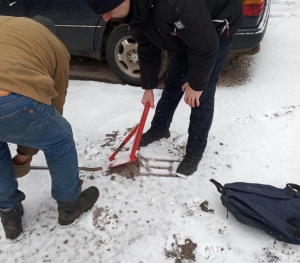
point(33, 82)
point(22, 160)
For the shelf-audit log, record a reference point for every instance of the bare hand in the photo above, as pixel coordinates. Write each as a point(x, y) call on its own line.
point(148, 97)
point(191, 97)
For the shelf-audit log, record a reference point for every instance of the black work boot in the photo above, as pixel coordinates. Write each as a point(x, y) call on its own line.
point(12, 223)
point(152, 135)
point(69, 212)
point(188, 165)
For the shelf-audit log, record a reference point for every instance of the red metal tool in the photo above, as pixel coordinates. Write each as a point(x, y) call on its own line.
point(138, 130)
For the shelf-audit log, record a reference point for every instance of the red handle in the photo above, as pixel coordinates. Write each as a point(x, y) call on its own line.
point(133, 131)
point(140, 131)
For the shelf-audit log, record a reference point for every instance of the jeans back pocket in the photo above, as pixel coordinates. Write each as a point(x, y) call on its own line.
point(17, 121)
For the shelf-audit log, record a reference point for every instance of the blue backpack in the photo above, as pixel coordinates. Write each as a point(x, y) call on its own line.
point(274, 210)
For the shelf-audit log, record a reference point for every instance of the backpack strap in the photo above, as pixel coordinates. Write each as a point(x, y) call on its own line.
point(218, 185)
point(295, 189)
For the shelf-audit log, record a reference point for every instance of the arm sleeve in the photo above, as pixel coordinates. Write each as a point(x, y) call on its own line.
point(149, 65)
point(201, 39)
point(149, 61)
point(61, 79)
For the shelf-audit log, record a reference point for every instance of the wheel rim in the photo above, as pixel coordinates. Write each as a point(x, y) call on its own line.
point(126, 57)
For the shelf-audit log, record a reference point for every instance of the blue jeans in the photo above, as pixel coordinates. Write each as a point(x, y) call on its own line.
point(27, 122)
point(201, 117)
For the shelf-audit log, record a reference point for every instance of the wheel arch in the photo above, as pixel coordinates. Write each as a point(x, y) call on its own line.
point(109, 27)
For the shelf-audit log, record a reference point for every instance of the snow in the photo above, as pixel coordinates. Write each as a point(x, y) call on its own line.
point(254, 138)
point(11, 4)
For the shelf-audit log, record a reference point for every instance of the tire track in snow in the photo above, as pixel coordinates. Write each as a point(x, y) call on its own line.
point(280, 8)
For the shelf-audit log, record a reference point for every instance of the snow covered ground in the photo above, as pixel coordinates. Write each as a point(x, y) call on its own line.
point(158, 218)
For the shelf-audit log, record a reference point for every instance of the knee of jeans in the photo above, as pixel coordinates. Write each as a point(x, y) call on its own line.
point(63, 149)
point(69, 128)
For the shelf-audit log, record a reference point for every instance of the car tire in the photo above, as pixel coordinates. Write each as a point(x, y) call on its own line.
point(121, 55)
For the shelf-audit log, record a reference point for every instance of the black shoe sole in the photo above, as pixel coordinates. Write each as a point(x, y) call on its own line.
point(69, 225)
point(184, 176)
point(12, 240)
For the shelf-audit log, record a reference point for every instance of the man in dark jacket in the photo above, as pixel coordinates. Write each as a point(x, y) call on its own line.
point(198, 34)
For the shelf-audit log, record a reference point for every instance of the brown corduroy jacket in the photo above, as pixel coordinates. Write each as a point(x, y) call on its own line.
point(33, 61)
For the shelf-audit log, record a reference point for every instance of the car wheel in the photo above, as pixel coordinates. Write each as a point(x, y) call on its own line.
point(122, 57)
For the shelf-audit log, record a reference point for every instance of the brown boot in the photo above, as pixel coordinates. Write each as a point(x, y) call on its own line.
point(21, 168)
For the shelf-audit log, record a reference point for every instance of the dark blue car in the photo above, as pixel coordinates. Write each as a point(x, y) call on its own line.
point(87, 34)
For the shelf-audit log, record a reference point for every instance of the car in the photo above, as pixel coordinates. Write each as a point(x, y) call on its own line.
point(87, 34)
point(256, 15)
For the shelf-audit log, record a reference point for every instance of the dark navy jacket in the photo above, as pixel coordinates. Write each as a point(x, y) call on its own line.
point(182, 26)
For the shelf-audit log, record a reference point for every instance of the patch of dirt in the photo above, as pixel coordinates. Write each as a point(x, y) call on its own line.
point(196, 208)
point(236, 70)
point(271, 256)
point(181, 253)
point(204, 208)
point(86, 68)
point(129, 170)
point(277, 252)
point(102, 218)
point(111, 139)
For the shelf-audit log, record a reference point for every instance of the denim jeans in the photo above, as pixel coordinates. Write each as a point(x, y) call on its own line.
point(201, 117)
point(27, 122)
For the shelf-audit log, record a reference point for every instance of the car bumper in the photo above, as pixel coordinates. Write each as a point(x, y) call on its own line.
point(249, 38)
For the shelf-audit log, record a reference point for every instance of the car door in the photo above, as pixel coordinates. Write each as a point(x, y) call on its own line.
point(74, 21)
